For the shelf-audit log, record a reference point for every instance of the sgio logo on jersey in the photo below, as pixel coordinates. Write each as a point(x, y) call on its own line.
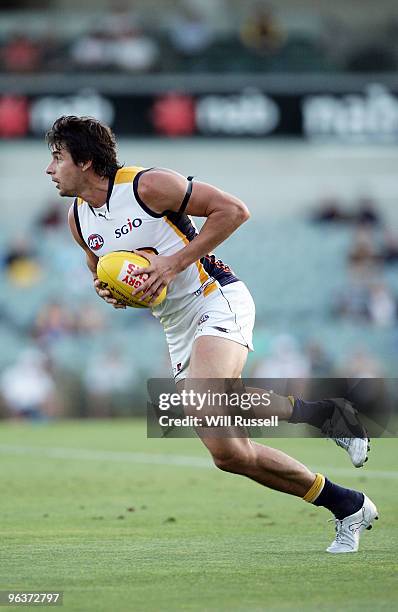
point(128, 227)
point(95, 242)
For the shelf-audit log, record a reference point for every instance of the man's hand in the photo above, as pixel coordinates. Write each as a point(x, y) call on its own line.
point(162, 270)
point(106, 295)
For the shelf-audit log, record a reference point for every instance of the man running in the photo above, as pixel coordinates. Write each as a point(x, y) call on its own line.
point(208, 315)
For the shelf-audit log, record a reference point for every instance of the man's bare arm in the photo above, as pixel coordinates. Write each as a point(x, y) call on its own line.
point(163, 190)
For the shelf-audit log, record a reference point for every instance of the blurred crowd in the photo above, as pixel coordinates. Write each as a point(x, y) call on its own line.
point(287, 357)
point(127, 39)
point(65, 352)
point(61, 353)
point(366, 295)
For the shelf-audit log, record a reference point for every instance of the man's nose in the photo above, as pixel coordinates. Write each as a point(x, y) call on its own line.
point(49, 169)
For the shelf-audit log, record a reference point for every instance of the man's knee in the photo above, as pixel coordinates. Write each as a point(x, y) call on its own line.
point(236, 460)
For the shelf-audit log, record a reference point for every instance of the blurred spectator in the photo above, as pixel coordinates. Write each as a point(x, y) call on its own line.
point(330, 209)
point(28, 388)
point(190, 34)
point(126, 49)
point(382, 306)
point(20, 262)
point(90, 320)
point(20, 250)
point(52, 218)
point(321, 365)
point(262, 32)
point(352, 301)
point(21, 54)
point(389, 252)
point(54, 322)
point(108, 378)
point(118, 42)
point(364, 257)
point(360, 363)
point(134, 51)
point(367, 300)
point(367, 211)
point(92, 51)
point(286, 360)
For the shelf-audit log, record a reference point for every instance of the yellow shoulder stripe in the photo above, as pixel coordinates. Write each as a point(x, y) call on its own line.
point(126, 175)
point(79, 201)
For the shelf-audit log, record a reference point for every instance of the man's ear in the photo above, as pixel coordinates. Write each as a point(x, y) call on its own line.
point(85, 165)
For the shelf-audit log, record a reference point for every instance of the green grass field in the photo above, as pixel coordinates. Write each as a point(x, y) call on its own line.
point(119, 522)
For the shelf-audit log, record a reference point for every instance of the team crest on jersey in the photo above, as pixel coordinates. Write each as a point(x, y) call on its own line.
point(95, 242)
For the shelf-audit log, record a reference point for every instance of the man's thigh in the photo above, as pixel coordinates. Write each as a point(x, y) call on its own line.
point(228, 314)
point(223, 443)
point(216, 357)
point(212, 360)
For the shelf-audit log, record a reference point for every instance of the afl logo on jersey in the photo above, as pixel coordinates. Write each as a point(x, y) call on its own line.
point(95, 242)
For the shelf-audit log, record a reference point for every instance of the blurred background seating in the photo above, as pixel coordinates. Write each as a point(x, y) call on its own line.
point(320, 253)
point(200, 36)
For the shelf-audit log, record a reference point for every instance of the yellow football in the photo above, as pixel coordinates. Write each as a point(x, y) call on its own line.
point(114, 271)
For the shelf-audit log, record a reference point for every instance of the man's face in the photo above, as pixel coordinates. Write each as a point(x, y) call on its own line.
point(64, 172)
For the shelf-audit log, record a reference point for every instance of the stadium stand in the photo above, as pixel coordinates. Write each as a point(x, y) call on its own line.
point(253, 37)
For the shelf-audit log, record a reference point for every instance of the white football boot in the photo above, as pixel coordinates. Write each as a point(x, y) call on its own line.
point(357, 448)
point(345, 422)
point(349, 529)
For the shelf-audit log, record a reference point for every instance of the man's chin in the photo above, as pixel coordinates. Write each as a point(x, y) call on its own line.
point(66, 194)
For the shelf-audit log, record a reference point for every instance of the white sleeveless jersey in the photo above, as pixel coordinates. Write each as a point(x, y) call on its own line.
point(126, 223)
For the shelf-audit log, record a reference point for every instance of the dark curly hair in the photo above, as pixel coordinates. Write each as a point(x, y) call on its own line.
point(86, 139)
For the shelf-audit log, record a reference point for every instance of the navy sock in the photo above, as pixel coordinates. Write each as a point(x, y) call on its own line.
point(339, 500)
point(312, 413)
